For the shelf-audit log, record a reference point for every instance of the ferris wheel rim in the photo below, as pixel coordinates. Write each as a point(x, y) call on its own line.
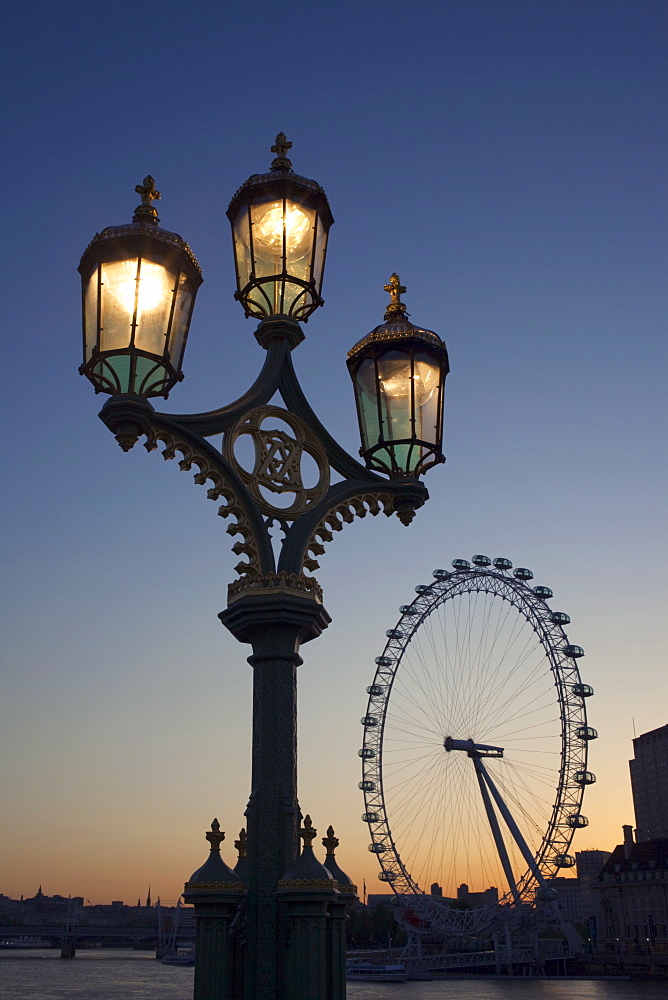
point(561, 657)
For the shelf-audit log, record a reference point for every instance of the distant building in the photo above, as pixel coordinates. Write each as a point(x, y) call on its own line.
point(631, 898)
point(476, 899)
point(375, 899)
point(569, 897)
point(649, 782)
point(589, 867)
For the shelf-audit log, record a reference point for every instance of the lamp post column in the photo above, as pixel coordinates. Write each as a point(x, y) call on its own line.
point(275, 624)
point(139, 284)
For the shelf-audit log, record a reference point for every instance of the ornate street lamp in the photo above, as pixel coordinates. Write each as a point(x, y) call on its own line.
point(139, 287)
point(399, 371)
point(280, 223)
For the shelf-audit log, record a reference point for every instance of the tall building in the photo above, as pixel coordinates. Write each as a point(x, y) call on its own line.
point(649, 782)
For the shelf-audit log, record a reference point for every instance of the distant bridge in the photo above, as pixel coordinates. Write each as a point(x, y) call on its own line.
point(55, 933)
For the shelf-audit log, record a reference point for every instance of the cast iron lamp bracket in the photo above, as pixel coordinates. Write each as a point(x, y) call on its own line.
point(248, 493)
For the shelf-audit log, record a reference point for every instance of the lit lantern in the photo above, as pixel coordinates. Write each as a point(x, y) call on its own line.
point(399, 371)
point(280, 223)
point(139, 287)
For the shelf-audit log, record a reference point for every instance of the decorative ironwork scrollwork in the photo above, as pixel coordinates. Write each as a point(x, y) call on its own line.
point(343, 513)
point(305, 586)
point(247, 544)
point(278, 458)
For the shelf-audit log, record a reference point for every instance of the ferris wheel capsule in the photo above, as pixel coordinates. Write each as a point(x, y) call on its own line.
point(461, 564)
point(481, 561)
point(543, 592)
point(584, 778)
point(502, 563)
point(574, 651)
point(565, 861)
point(583, 690)
point(521, 573)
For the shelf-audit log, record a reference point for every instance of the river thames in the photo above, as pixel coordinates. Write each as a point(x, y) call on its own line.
point(129, 975)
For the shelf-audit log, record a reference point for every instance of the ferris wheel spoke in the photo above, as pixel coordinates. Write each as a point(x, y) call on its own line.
point(491, 656)
point(406, 819)
point(512, 695)
point(425, 705)
point(546, 707)
point(505, 671)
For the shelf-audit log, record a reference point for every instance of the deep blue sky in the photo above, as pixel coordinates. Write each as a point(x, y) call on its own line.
point(507, 159)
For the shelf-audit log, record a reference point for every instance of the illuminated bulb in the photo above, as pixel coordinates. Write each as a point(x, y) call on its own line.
point(270, 228)
point(120, 279)
point(397, 382)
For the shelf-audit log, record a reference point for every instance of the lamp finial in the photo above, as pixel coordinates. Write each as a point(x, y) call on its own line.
point(241, 844)
point(330, 842)
point(215, 836)
point(396, 309)
point(308, 832)
point(280, 147)
point(146, 213)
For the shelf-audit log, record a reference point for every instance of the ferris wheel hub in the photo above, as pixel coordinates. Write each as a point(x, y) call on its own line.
point(471, 748)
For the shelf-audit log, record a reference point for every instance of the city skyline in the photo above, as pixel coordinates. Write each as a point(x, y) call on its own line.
point(512, 177)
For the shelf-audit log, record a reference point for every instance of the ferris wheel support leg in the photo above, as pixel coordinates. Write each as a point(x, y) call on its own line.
point(569, 932)
point(496, 829)
point(512, 825)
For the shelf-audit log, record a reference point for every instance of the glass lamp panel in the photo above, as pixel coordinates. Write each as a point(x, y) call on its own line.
point(366, 385)
point(319, 257)
point(282, 238)
point(120, 365)
point(117, 293)
point(154, 303)
point(242, 248)
point(394, 384)
point(90, 314)
point(426, 378)
point(182, 308)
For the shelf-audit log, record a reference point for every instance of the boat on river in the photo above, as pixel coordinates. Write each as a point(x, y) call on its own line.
point(184, 957)
point(370, 972)
point(23, 941)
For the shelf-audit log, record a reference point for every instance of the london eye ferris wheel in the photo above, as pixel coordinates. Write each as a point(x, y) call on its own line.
point(474, 758)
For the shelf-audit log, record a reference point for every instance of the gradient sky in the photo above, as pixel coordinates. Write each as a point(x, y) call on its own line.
point(505, 158)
